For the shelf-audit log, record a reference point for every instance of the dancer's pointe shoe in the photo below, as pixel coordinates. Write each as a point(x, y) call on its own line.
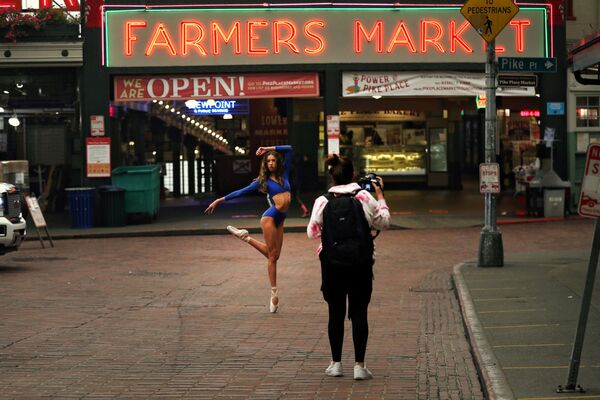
point(274, 303)
point(239, 233)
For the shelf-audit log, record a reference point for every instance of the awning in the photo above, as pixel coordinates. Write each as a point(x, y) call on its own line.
point(586, 59)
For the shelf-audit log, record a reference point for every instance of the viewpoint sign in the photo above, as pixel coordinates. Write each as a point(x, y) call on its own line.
point(489, 17)
point(166, 37)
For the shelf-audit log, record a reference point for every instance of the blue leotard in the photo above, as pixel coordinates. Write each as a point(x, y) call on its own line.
point(273, 187)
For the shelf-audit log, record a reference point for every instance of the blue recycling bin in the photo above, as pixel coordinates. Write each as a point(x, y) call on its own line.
point(81, 207)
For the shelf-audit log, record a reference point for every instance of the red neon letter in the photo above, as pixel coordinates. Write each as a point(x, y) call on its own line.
point(234, 32)
point(253, 37)
point(277, 39)
point(455, 37)
point(14, 5)
point(319, 41)
point(408, 41)
point(434, 40)
point(45, 4)
point(72, 5)
point(186, 42)
point(499, 48)
point(520, 25)
point(377, 33)
point(165, 41)
point(130, 37)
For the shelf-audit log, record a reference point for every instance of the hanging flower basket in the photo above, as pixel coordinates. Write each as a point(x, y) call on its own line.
point(38, 25)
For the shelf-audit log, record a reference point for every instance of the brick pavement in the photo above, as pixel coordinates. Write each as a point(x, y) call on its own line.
point(186, 317)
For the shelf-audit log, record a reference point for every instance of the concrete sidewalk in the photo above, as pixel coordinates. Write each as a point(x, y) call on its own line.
point(410, 209)
point(522, 319)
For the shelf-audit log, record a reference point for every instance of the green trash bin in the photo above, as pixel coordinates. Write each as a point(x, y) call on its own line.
point(111, 206)
point(141, 184)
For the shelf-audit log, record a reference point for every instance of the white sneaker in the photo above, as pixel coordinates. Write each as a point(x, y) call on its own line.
point(362, 373)
point(334, 369)
point(238, 233)
point(274, 303)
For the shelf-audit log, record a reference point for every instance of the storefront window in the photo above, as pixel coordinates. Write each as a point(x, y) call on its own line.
point(587, 111)
point(387, 147)
point(438, 140)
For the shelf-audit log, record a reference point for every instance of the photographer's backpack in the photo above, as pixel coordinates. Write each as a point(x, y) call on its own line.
point(345, 236)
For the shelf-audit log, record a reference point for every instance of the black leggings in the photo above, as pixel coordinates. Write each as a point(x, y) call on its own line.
point(335, 327)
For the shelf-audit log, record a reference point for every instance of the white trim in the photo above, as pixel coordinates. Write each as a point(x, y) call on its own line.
point(41, 54)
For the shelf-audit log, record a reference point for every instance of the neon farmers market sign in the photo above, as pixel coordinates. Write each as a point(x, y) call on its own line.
point(250, 36)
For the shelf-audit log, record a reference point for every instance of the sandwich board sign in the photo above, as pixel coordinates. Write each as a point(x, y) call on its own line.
point(489, 17)
point(38, 218)
point(589, 199)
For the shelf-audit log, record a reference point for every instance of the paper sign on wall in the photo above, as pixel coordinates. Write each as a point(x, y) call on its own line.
point(97, 125)
point(98, 157)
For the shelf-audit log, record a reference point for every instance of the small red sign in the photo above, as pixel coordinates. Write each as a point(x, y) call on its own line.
point(489, 178)
point(589, 199)
point(183, 87)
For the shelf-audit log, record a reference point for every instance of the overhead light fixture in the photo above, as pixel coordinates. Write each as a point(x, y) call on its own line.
point(376, 96)
point(19, 85)
point(191, 104)
point(211, 102)
point(1, 109)
point(14, 121)
point(227, 116)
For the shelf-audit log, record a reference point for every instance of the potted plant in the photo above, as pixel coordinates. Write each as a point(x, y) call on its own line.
point(22, 24)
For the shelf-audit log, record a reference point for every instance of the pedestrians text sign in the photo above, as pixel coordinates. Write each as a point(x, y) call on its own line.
point(527, 64)
point(589, 200)
point(489, 17)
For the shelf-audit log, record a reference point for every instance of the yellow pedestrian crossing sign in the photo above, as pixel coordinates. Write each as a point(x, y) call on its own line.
point(489, 17)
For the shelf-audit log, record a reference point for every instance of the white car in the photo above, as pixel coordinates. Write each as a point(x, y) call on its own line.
point(13, 227)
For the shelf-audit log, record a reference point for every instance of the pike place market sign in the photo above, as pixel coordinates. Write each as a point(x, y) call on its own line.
point(250, 36)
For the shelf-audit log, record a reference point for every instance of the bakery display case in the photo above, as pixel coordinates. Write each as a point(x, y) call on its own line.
point(400, 160)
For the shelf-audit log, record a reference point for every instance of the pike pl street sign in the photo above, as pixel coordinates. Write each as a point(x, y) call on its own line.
point(527, 64)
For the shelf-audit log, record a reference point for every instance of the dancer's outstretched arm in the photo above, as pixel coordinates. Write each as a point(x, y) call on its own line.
point(253, 187)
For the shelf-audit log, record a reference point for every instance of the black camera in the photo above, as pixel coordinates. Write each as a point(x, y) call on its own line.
point(368, 182)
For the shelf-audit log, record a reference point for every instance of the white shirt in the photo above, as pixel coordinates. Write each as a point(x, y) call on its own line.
point(377, 212)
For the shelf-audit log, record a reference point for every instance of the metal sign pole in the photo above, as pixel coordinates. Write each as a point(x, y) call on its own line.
point(571, 385)
point(491, 253)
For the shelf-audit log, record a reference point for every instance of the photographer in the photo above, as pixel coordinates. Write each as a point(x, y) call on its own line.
point(343, 219)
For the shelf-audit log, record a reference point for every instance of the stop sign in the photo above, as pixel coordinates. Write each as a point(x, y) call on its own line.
point(589, 200)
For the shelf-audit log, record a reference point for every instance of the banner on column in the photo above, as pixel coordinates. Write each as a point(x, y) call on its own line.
point(333, 134)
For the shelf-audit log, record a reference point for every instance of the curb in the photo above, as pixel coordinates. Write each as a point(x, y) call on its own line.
point(172, 231)
point(492, 377)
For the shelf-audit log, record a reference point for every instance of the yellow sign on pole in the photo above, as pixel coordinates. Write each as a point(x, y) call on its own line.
point(489, 17)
